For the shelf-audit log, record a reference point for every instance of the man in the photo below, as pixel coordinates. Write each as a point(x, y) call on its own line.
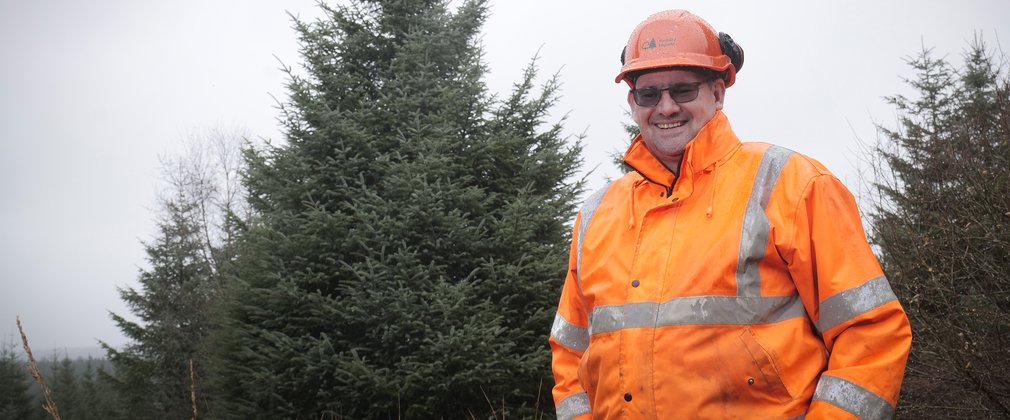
point(719, 279)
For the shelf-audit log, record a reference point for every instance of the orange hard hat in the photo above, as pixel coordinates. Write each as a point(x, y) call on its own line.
point(677, 38)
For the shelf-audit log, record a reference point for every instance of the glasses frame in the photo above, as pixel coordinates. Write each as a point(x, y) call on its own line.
point(677, 92)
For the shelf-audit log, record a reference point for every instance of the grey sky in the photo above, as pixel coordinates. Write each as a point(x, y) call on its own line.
point(92, 92)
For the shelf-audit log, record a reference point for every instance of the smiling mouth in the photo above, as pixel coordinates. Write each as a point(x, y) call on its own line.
point(671, 125)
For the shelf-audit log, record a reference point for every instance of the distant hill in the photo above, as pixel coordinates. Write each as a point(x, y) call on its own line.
point(94, 352)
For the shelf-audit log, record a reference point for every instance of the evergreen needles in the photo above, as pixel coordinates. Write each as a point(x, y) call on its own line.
point(409, 239)
point(940, 222)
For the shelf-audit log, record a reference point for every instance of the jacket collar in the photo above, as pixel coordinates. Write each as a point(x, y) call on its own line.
point(714, 142)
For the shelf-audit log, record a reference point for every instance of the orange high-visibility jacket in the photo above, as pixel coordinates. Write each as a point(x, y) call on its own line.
point(744, 288)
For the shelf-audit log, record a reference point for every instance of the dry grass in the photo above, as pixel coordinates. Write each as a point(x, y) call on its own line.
point(192, 387)
point(504, 408)
point(33, 368)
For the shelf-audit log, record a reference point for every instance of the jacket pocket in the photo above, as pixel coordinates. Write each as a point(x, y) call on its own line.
point(767, 377)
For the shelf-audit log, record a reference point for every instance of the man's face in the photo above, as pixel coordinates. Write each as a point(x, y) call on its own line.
point(668, 126)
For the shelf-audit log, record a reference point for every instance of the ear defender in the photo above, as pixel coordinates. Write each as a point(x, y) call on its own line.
point(732, 50)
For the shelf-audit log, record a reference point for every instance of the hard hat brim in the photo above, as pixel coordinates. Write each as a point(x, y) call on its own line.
point(720, 64)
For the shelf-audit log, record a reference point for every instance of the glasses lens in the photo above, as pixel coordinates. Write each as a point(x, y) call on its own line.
point(681, 93)
point(684, 93)
point(648, 96)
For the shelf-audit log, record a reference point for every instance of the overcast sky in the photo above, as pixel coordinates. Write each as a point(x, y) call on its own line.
point(92, 93)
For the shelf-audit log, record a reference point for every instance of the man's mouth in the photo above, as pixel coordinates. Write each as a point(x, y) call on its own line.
point(671, 125)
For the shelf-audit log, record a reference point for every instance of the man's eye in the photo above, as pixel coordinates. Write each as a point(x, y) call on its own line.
point(648, 93)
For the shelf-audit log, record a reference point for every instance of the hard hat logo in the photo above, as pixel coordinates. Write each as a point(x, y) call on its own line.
point(677, 38)
point(652, 43)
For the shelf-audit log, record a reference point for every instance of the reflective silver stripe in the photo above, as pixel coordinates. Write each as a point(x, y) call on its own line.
point(569, 335)
point(587, 211)
point(572, 406)
point(847, 304)
point(852, 398)
point(799, 417)
point(756, 227)
point(697, 310)
point(586, 215)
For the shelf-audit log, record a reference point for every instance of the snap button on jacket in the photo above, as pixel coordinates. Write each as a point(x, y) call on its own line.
point(744, 288)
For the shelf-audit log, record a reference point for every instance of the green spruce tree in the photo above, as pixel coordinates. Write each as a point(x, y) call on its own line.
point(96, 399)
point(411, 235)
point(151, 374)
point(77, 391)
point(156, 373)
point(66, 390)
point(942, 224)
point(16, 399)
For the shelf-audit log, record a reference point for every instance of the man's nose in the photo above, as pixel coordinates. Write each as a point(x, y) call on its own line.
point(666, 104)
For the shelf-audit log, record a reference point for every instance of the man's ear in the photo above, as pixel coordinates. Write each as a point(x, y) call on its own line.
point(631, 100)
point(719, 91)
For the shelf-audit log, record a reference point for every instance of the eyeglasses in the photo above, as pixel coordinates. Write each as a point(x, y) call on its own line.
point(680, 93)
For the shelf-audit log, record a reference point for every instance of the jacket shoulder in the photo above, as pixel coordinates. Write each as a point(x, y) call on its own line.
point(596, 198)
point(797, 163)
point(624, 182)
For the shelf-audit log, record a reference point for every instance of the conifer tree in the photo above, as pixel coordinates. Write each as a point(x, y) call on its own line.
point(151, 374)
point(155, 374)
point(96, 399)
point(410, 237)
point(66, 387)
point(77, 391)
point(16, 401)
point(942, 226)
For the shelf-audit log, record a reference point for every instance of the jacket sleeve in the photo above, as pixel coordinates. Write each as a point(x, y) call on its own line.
point(850, 302)
point(569, 340)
